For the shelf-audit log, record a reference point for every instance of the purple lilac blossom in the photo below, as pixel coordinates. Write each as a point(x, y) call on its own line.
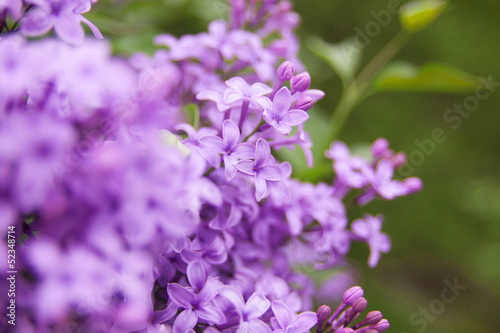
point(129, 224)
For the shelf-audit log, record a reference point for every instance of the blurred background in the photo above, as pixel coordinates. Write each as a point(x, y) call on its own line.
point(450, 230)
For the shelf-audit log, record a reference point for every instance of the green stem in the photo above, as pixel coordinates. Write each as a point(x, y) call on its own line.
point(356, 91)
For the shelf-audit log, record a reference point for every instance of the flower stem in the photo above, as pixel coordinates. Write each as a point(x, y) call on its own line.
point(355, 92)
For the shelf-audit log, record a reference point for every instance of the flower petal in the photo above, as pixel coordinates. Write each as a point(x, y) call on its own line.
point(180, 295)
point(213, 142)
point(244, 150)
point(185, 321)
point(271, 172)
point(260, 89)
point(211, 314)
point(67, 26)
point(239, 85)
point(262, 152)
point(247, 167)
point(230, 170)
point(260, 187)
point(305, 321)
point(282, 101)
point(230, 134)
point(256, 305)
point(294, 117)
point(208, 292)
point(282, 313)
point(196, 275)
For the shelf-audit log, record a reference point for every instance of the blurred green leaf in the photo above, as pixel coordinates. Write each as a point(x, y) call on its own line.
point(416, 15)
point(429, 77)
point(344, 57)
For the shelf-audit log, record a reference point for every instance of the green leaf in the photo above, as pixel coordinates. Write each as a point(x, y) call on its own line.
point(416, 15)
point(344, 57)
point(430, 77)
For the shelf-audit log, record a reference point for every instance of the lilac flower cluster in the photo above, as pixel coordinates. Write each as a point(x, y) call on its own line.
point(137, 216)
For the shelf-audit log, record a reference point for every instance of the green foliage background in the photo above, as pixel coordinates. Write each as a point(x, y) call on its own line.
point(449, 230)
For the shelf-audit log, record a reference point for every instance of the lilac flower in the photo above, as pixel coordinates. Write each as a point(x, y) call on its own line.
point(192, 142)
point(261, 169)
point(229, 147)
point(348, 168)
point(288, 321)
point(249, 312)
point(382, 182)
point(279, 115)
point(196, 300)
point(64, 15)
point(368, 229)
point(240, 91)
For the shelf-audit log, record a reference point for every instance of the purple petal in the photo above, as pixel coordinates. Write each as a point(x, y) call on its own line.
point(262, 152)
point(231, 97)
point(213, 142)
point(180, 295)
point(256, 306)
point(271, 172)
point(282, 101)
point(211, 314)
point(185, 321)
point(234, 296)
point(230, 133)
point(37, 23)
point(208, 292)
point(305, 321)
point(260, 187)
point(282, 313)
point(254, 326)
point(263, 102)
point(244, 150)
point(230, 170)
point(209, 95)
point(260, 89)
point(239, 85)
point(360, 228)
point(294, 117)
point(196, 275)
point(95, 30)
point(168, 313)
point(385, 170)
point(247, 167)
point(67, 26)
point(188, 129)
point(384, 243)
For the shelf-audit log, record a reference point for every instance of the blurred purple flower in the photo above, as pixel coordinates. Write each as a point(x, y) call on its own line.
point(368, 229)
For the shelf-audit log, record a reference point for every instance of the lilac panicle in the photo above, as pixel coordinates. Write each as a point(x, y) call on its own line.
point(184, 222)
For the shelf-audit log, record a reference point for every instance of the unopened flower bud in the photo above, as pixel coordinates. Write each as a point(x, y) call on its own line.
point(304, 103)
point(373, 317)
point(344, 330)
point(301, 82)
point(323, 313)
point(380, 148)
point(285, 71)
point(360, 305)
point(381, 326)
point(352, 294)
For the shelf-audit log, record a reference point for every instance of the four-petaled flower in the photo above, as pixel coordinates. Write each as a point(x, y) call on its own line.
point(368, 229)
point(240, 91)
point(279, 115)
point(250, 311)
point(229, 147)
point(196, 300)
point(287, 321)
point(261, 168)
